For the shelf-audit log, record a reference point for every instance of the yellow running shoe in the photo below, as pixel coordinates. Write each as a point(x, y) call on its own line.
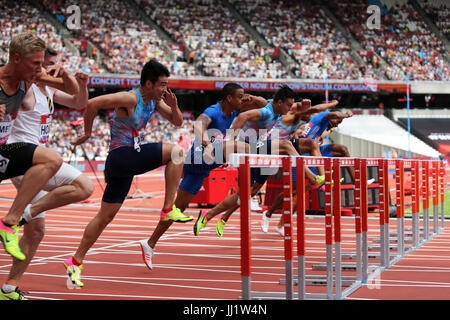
point(201, 222)
point(74, 273)
point(10, 238)
point(220, 226)
point(14, 295)
point(176, 216)
point(320, 181)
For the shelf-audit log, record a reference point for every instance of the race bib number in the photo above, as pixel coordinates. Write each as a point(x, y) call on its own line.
point(306, 130)
point(138, 137)
point(6, 127)
point(3, 164)
point(45, 128)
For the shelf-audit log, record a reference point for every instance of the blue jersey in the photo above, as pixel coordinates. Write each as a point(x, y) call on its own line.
point(219, 122)
point(263, 125)
point(218, 126)
point(131, 131)
point(316, 126)
point(284, 132)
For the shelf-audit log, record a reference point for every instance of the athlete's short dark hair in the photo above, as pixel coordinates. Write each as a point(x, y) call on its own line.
point(152, 70)
point(284, 93)
point(49, 51)
point(229, 89)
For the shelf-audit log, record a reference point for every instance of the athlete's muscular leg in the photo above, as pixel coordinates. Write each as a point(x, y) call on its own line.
point(286, 148)
point(173, 158)
point(45, 164)
point(312, 147)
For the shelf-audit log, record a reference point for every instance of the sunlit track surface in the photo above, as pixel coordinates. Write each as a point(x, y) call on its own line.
point(205, 267)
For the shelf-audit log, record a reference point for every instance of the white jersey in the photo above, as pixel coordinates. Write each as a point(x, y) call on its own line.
point(33, 126)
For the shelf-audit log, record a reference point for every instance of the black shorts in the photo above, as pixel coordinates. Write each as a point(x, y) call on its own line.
point(123, 163)
point(16, 159)
point(295, 143)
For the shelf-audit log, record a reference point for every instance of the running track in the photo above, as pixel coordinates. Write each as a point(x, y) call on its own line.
point(198, 268)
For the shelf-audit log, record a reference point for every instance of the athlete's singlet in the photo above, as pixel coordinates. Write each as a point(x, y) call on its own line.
point(262, 126)
point(13, 104)
point(131, 132)
point(284, 132)
point(33, 126)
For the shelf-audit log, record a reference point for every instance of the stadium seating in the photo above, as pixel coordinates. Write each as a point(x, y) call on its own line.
point(303, 29)
point(126, 40)
point(306, 33)
point(404, 40)
point(20, 16)
point(438, 11)
point(220, 44)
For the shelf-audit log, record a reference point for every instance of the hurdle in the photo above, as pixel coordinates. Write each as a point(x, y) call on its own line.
point(365, 272)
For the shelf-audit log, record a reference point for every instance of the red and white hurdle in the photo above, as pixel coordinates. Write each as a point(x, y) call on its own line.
point(334, 280)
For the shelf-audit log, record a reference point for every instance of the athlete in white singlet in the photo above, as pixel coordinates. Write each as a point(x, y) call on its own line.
point(68, 185)
point(36, 163)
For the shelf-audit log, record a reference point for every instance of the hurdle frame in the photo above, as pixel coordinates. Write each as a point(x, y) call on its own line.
point(333, 219)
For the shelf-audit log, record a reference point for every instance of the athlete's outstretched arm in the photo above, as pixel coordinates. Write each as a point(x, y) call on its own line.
point(78, 101)
point(306, 109)
point(2, 111)
point(201, 123)
point(242, 119)
point(338, 115)
point(127, 100)
point(252, 102)
point(57, 77)
point(168, 108)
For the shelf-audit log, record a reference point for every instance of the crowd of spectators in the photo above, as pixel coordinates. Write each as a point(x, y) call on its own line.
point(16, 17)
point(118, 31)
point(219, 44)
point(208, 39)
point(438, 11)
point(66, 128)
point(403, 39)
point(307, 34)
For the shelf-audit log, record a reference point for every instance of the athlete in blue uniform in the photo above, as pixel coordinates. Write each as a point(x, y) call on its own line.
point(321, 124)
point(287, 126)
point(129, 156)
point(257, 129)
point(208, 152)
point(314, 130)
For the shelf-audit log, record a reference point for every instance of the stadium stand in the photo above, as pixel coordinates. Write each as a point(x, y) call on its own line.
point(404, 40)
point(221, 47)
point(306, 33)
point(196, 46)
point(19, 16)
point(438, 11)
point(125, 39)
point(207, 39)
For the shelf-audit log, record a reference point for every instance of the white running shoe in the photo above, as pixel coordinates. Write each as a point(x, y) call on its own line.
point(147, 253)
point(370, 181)
point(254, 204)
point(265, 222)
point(280, 230)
